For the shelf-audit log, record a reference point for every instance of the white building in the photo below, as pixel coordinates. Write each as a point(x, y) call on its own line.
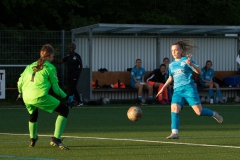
point(117, 46)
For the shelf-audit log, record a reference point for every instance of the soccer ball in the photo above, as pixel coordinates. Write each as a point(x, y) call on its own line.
point(202, 99)
point(134, 113)
point(105, 100)
point(143, 100)
point(224, 98)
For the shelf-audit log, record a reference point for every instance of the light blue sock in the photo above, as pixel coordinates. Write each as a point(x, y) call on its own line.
point(210, 92)
point(150, 98)
point(206, 112)
point(219, 94)
point(140, 98)
point(175, 120)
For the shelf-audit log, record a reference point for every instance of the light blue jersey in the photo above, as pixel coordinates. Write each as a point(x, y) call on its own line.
point(206, 75)
point(181, 72)
point(138, 74)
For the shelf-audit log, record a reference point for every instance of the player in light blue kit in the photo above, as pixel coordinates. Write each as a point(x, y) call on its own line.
point(181, 71)
point(206, 80)
point(137, 81)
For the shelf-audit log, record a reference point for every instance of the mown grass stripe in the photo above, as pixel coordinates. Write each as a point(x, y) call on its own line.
point(24, 157)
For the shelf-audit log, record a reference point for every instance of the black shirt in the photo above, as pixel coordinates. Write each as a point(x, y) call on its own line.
point(156, 76)
point(74, 62)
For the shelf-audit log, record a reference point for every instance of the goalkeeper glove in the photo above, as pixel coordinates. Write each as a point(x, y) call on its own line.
point(69, 100)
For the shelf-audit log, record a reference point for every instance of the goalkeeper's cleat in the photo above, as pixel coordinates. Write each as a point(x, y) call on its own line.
point(58, 142)
point(218, 118)
point(173, 136)
point(33, 141)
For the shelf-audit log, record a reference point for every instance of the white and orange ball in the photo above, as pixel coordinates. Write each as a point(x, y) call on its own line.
point(134, 113)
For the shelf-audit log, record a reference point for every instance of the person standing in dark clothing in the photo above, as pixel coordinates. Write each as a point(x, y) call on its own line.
point(74, 69)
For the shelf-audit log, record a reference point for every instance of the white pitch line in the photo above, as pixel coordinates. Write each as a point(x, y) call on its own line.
point(134, 140)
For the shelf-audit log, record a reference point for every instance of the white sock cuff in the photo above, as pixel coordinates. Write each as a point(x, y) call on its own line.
point(174, 131)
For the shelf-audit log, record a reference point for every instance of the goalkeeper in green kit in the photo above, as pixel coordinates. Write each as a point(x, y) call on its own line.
point(33, 86)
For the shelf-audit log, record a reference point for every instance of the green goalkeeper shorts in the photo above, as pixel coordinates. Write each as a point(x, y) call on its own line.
point(47, 103)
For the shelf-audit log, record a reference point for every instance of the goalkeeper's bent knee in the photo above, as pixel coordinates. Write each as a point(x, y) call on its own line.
point(34, 116)
point(62, 110)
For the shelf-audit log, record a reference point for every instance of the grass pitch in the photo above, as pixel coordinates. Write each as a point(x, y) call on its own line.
point(103, 132)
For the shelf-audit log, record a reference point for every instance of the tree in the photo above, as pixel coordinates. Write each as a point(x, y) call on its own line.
point(69, 14)
point(37, 14)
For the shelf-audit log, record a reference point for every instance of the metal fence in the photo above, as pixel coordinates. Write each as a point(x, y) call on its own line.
point(23, 47)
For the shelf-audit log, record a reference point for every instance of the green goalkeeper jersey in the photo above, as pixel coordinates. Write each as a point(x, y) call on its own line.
point(34, 86)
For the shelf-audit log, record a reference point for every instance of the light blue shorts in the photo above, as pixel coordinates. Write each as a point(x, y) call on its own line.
point(133, 84)
point(189, 92)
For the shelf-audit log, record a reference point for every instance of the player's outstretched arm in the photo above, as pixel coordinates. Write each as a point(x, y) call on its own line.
point(168, 82)
point(57, 90)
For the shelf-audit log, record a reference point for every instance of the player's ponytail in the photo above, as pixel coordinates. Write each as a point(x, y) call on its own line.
point(45, 52)
point(187, 45)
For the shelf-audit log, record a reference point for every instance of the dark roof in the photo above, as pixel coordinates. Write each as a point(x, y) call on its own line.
point(104, 28)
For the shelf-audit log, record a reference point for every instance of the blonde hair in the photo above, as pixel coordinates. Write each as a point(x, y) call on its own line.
point(187, 45)
point(45, 52)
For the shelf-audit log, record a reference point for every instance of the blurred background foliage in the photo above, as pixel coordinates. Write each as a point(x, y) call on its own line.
point(69, 14)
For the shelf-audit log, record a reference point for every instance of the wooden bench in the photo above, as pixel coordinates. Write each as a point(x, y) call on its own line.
point(108, 78)
point(221, 75)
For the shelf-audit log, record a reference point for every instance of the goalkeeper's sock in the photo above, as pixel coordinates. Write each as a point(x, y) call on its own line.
point(60, 126)
point(33, 129)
